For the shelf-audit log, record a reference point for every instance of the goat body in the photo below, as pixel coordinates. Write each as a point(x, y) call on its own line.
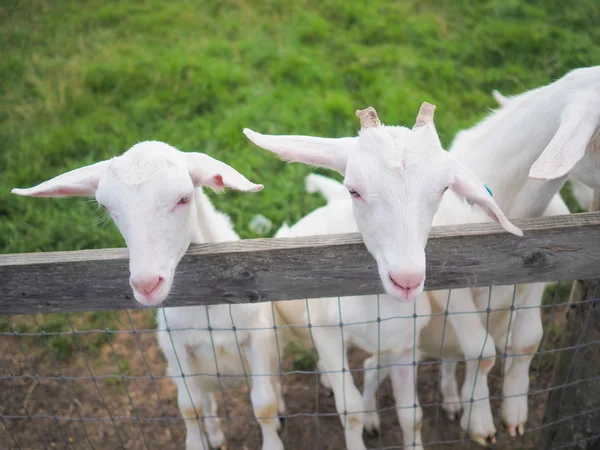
point(378, 324)
point(551, 127)
point(395, 178)
point(551, 133)
point(154, 194)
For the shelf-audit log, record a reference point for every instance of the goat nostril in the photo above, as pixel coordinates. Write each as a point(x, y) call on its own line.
point(148, 285)
point(159, 281)
point(406, 283)
point(399, 284)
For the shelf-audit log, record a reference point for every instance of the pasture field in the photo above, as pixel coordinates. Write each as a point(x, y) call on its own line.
point(83, 80)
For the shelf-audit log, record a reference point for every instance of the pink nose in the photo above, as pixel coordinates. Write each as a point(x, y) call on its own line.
point(147, 285)
point(407, 282)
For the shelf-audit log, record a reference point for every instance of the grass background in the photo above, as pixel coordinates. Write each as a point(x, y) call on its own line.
point(83, 80)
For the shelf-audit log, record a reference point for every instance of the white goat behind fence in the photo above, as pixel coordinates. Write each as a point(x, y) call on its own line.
point(551, 132)
point(396, 178)
point(548, 133)
point(582, 193)
point(154, 194)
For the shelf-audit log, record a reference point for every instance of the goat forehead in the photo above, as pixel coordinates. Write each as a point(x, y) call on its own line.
point(155, 189)
point(391, 185)
point(394, 148)
point(147, 161)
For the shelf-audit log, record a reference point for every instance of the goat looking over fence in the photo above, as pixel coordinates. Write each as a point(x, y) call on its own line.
point(396, 178)
point(154, 194)
point(511, 138)
point(551, 132)
point(567, 142)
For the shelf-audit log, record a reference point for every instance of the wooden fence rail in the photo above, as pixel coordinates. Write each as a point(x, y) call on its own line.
point(553, 249)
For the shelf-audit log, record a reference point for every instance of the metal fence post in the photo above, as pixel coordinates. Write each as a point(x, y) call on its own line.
point(572, 418)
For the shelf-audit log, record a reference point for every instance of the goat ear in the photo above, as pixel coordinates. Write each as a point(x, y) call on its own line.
point(81, 182)
point(216, 175)
point(474, 191)
point(567, 146)
point(323, 152)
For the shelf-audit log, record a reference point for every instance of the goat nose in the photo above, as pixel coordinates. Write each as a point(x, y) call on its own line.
point(407, 281)
point(146, 285)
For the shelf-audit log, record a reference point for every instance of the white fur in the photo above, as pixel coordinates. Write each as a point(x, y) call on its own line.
point(141, 190)
point(582, 193)
point(516, 137)
point(535, 133)
point(358, 314)
point(401, 175)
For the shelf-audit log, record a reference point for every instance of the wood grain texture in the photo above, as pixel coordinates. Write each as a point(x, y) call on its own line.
point(553, 249)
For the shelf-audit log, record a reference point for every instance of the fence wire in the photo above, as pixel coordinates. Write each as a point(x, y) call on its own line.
point(99, 380)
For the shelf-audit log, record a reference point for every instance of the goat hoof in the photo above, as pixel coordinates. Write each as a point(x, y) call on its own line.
point(451, 415)
point(372, 432)
point(479, 440)
point(484, 441)
point(515, 431)
point(372, 425)
point(218, 441)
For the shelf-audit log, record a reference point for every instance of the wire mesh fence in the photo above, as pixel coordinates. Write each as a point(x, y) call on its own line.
point(99, 380)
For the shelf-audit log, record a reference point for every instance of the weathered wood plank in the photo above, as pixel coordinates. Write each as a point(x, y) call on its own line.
point(554, 248)
point(580, 362)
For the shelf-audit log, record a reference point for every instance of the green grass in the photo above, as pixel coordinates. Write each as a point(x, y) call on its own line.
point(83, 80)
point(302, 359)
point(118, 374)
point(56, 329)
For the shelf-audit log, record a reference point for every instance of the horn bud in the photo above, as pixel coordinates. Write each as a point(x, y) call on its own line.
point(425, 115)
point(368, 118)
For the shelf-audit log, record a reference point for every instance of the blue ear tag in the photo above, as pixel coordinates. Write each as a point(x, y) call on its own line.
point(488, 189)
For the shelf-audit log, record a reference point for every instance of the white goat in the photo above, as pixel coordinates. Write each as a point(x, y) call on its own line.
point(396, 178)
point(545, 133)
point(582, 193)
point(154, 194)
point(554, 131)
point(338, 210)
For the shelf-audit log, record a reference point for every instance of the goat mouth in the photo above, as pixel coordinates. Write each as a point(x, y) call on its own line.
point(156, 297)
point(405, 295)
point(149, 300)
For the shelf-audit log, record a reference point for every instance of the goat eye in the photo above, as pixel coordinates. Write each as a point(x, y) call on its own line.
point(184, 200)
point(353, 193)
